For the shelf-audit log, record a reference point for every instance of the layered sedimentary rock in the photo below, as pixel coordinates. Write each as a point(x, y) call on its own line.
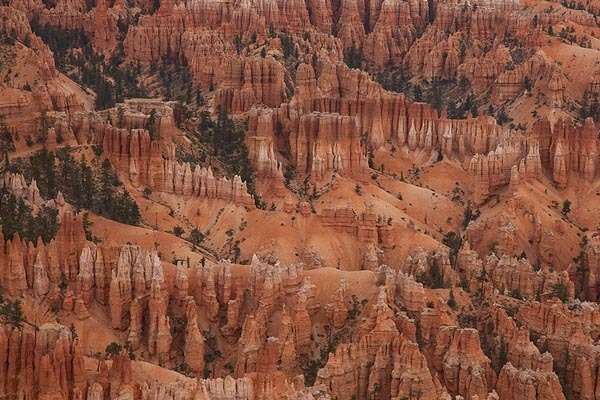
point(240, 81)
point(48, 90)
point(516, 384)
point(181, 179)
point(194, 341)
point(138, 272)
point(142, 157)
point(361, 225)
point(511, 275)
point(347, 374)
point(159, 329)
point(356, 369)
point(104, 29)
point(559, 148)
point(132, 151)
point(586, 270)
point(434, 264)
point(263, 138)
point(574, 356)
point(515, 342)
point(54, 365)
point(484, 147)
point(464, 368)
point(434, 325)
point(515, 160)
point(317, 143)
point(568, 149)
point(159, 34)
point(183, 32)
point(450, 47)
point(246, 82)
point(326, 143)
point(45, 362)
point(27, 265)
point(405, 290)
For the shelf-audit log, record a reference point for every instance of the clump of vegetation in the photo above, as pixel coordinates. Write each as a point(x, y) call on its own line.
point(7, 144)
point(185, 369)
point(288, 46)
point(211, 352)
point(469, 215)
point(590, 106)
point(11, 312)
point(516, 294)
point(113, 349)
point(394, 79)
point(566, 207)
point(289, 174)
point(175, 77)
point(196, 237)
point(454, 241)
point(503, 118)
point(432, 278)
point(113, 80)
point(560, 291)
point(502, 354)
point(355, 308)
point(451, 300)
point(147, 192)
point(353, 57)
point(17, 217)
point(87, 228)
point(455, 95)
point(223, 141)
point(83, 186)
point(310, 368)
point(152, 124)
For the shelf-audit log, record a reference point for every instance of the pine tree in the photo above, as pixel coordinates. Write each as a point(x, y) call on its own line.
point(105, 95)
point(152, 124)
point(417, 94)
point(11, 313)
point(353, 57)
point(196, 236)
point(7, 144)
point(436, 96)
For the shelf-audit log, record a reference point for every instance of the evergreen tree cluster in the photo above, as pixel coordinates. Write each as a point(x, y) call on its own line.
point(16, 216)
point(288, 46)
point(432, 278)
point(573, 5)
point(7, 144)
point(454, 95)
point(113, 349)
point(394, 79)
point(152, 125)
point(353, 57)
point(85, 187)
point(458, 109)
point(11, 312)
point(225, 140)
point(112, 81)
point(176, 80)
point(590, 106)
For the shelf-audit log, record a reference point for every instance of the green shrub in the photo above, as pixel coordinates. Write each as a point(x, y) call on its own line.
point(113, 349)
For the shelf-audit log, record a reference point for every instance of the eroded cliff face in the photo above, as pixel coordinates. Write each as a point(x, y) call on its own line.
point(384, 333)
point(493, 155)
point(245, 63)
point(148, 159)
point(31, 84)
point(348, 200)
